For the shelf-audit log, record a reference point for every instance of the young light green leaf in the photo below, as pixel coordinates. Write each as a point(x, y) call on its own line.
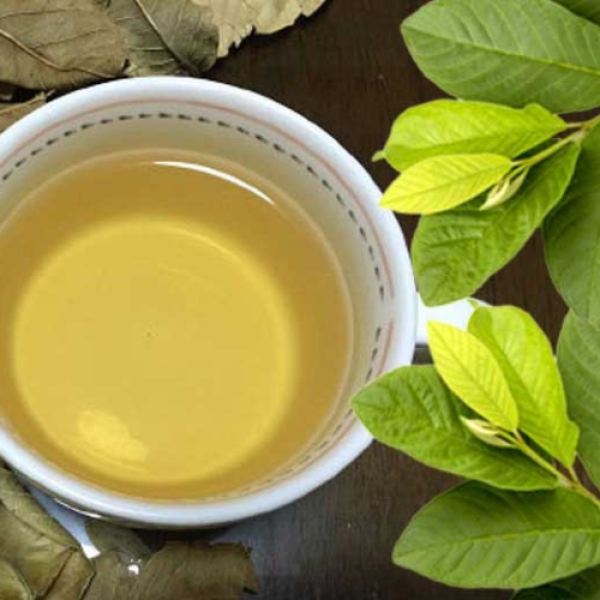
point(470, 370)
point(527, 361)
point(443, 182)
point(12, 585)
point(583, 586)
point(512, 52)
point(456, 252)
point(475, 536)
point(572, 236)
point(505, 190)
point(579, 362)
point(588, 9)
point(487, 433)
point(445, 127)
point(412, 410)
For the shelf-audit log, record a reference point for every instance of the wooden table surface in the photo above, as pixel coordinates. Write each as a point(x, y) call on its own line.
point(348, 70)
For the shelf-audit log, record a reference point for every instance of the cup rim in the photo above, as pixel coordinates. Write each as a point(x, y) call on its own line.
point(91, 499)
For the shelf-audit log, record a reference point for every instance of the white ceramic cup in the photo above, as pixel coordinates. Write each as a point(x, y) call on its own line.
point(294, 154)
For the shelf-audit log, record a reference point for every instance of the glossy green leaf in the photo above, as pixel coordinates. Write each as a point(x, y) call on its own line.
point(527, 360)
point(572, 236)
point(476, 536)
point(447, 127)
point(584, 586)
point(579, 362)
point(412, 410)
point(470, 370)
point(511, 52)
point(454, 253)
point(588, 9)
point(443, 182)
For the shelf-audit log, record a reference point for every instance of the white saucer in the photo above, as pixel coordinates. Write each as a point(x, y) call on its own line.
point(73, 522)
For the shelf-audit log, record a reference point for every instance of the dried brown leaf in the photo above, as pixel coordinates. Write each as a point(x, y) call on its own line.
point(11, 113)
point(22, 506)
point(166, 38)
point(194, 570)
point(53, 44)
point(34, 544)
point(74, 579)
point(39, 559)
point(7, 91)
point(236, 19)
point(12, 585)
point(112, 538)
point(113, 580)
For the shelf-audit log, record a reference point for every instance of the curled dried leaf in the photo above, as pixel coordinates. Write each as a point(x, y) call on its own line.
point(74, 579)
point(236, 19)
point(34, 544)
point(54, 44)
point(166, 38)
point(39, 559)
point(23, 507)
point(195, 570)
point(11, 113)
point(114, 580)
point(12, 585)
point(7, 91)
point(112, 538)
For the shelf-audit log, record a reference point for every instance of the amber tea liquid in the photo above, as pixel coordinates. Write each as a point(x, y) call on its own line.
point(168, 328)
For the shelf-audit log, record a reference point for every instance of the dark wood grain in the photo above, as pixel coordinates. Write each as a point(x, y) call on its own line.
point(347, 70)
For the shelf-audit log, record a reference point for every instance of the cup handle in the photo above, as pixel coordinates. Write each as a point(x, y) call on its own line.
point(457, 314)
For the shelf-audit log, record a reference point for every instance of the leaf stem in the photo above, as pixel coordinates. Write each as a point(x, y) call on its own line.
point(583, 491)
point(574, 476)
point(587, 126)
point(582, 129)
point(527, 163)
point(572, 482)
point(522, 445)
